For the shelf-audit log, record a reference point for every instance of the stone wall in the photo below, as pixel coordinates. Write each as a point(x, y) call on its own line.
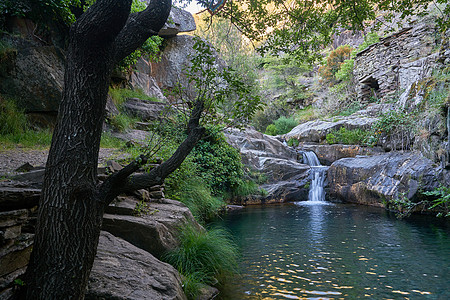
point(391, 66)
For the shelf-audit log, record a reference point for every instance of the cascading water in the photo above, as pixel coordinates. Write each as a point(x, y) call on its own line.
point(318, 173)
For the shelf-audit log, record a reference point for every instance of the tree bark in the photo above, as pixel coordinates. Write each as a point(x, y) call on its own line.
point(72, 206)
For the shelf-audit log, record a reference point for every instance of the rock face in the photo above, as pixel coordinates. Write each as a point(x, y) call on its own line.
point(168, 71)
point(328, 154)
point(286, 177)
point(122, 271)
point(316, 131)
point(141, 79)
point(372, 179)
point(153, 226)
point(145, 110)
point(36, 78)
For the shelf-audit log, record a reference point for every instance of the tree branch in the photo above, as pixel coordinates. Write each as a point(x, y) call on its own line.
point(121, 181)
point(101, 23)
point(140, 26)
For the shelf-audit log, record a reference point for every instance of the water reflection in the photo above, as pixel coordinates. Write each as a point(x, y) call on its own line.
point(338, 252)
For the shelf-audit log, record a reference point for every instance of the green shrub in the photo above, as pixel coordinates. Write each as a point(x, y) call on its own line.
point(119, 96)
point(345, 72)
point(348, 137)
point(122, 122)
point(12, 119)
point(307, 114)
point(441, 201)
point(28, 139)
point(108, 141)
point(271, 129)
point(219, 164)
point(203, 257)
point(281, 126)
point(293, 142)
point(333, 63)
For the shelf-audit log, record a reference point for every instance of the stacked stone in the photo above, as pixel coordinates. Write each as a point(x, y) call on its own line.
point(396, 62)
point(18, 204)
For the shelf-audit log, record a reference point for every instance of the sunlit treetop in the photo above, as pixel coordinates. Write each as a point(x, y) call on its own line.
point(302, 27)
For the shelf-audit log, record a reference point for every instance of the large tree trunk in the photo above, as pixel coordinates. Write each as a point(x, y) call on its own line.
point(72, 203)
point(70, 213)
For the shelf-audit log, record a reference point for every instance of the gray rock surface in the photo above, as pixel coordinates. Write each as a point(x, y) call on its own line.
point(328, 154)
point(371, 179)
point(276, 161)
point(316, 131)
point(36, 79)
point(141, 79)
point(179, 21)
point(145, 110)
point(152, 226)
point(123, 271)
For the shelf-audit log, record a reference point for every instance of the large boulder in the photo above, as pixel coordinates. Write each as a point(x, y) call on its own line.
point(374, 179)
point(317, 130)
point(179, 21)
point(152, 226)
point(286, 177)
point(145, 110)
point(36, 78)
point(141, 79)
point(122, 271)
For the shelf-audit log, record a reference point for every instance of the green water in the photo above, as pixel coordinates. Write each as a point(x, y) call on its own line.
point(338, 252)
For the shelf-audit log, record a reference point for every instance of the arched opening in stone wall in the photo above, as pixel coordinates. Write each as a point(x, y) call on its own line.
point(370, 90)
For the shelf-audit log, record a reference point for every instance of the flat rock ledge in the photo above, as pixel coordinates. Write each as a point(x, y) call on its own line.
point(122, 271)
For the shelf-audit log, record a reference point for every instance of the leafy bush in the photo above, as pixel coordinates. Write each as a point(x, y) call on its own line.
point(122, 122)
point(281, 126)
point(307, 114)
point(441, 201)
point(203, 257)
point(348, 137)
point(218, 163)
point(333, 63)
point(271, 129)
point(119, 96)
point(12, 119)
point(345, 72)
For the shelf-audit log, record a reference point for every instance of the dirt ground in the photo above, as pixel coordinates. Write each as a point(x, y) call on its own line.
point(11, 159)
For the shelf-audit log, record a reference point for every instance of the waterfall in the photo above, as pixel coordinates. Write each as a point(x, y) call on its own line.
point(318, 173)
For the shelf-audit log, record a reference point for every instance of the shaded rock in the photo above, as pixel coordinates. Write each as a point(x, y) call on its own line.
point(169, 71)
point(26, 167)
point(145, 110)
point(16, 256)
point(16, 198)
point(328, 154)
point(110, 108)
point(147, 84)
point(207, 293)
point(316, 131)
point(154, 230)
point(134, 137)
point(175, 57)
point(36, 177)
point(372, 179)
point(276, 161)
point(179, 21)
point(123, 271)
point(113, 166)
point(37, 78)
point(252, 144)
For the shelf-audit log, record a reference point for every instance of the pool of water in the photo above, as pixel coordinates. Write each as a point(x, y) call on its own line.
point(338, 251)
